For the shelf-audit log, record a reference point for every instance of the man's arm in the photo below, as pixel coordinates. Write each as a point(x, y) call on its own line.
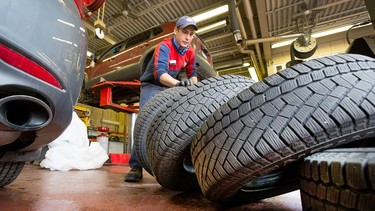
point(168, 80)
point(191, 71)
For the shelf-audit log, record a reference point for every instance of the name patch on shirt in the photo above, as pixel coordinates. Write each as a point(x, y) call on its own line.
point(172, 62)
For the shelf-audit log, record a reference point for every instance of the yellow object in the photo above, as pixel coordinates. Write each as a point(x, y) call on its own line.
point(99, 21)
point(83, 113)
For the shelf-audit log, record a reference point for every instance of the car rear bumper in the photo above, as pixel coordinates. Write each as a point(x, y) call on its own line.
point(54, 38)
point(42, 108)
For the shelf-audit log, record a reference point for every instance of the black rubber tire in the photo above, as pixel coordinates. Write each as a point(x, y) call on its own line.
point(9, 171)
point(339, 179)
point(143, 122)
point(169, 137)
point(309, 107)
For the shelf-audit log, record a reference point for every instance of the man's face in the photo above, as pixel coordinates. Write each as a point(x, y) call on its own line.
point(184, 36)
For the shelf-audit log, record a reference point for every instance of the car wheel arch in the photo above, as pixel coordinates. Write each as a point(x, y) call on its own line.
point(146, 57)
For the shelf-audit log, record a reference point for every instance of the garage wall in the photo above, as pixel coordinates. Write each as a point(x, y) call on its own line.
point(115, 121)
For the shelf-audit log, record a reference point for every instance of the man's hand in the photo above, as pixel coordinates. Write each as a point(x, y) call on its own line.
point(185, 82)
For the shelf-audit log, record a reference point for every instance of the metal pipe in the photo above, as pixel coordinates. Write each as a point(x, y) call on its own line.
point(252, 57)
point(270, 39)
point(238, 24)
point(249, 16)
point(238, 3)
point(234, 22)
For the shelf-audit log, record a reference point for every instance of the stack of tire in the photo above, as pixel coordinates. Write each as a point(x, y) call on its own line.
point(308, 127)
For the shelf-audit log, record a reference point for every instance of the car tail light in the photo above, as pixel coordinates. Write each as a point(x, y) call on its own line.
point(17, 60)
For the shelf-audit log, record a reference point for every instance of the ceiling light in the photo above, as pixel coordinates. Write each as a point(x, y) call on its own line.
point(211, 13)
point(212, 27)
point(246, 64)
point(332, 31)
point(253, 74)
point(281, 44)
point(316, 35)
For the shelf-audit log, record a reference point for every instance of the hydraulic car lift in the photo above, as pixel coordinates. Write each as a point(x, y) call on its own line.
point(105, 89)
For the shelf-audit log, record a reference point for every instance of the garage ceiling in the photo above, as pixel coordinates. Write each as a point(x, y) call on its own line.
point(259, 18)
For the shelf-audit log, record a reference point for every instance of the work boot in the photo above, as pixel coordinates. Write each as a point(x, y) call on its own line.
point(134, 175)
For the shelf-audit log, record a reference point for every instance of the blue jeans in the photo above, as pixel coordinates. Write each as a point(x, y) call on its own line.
point(147, 92)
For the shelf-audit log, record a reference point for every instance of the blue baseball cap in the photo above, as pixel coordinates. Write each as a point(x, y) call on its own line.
point(185, 21)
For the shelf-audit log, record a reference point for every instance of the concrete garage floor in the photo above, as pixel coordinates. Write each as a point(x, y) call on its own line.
point(104, 189)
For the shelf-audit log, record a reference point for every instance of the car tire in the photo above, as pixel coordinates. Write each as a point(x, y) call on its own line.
point(9, 171)
point(169, 137)
point(144, 120)
point(303, 109)
point(339, 179)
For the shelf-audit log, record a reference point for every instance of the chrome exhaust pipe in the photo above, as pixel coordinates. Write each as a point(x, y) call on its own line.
point(23, 113)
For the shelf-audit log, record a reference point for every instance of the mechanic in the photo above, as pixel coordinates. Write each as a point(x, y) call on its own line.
point(170, 56)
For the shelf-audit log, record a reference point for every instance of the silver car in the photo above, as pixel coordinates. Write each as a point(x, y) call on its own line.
point(43, 48)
